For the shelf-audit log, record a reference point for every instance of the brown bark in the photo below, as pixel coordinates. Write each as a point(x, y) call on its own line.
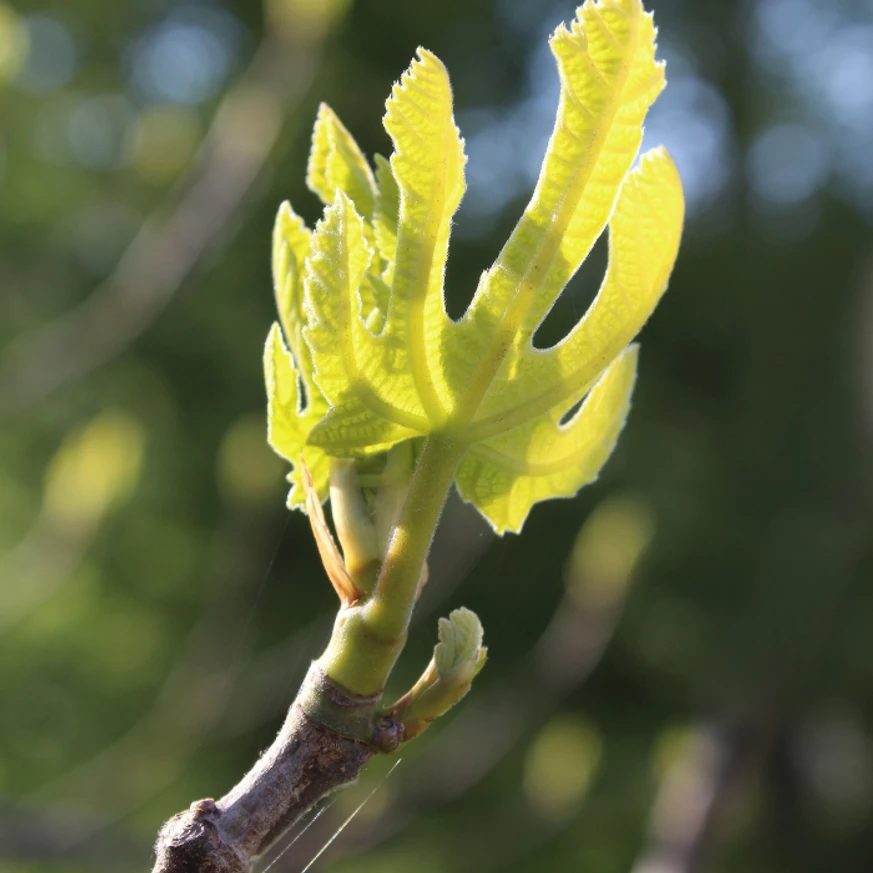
point(306, 762)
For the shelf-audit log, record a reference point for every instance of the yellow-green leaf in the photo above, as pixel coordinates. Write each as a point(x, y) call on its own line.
point(373, 331)
point(344, 351)
point(386, 388)
point(386, 216)
point(457, 659)
point(503, 477)
point(644, 235)
point(290, 248)
point(375, 295)
point(337, 164)
point(609, 78)
point(428, 166)
point(289, 422)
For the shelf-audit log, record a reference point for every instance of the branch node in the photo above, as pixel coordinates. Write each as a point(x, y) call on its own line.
point(191, 841)
point(328, 703)
point(388, 735)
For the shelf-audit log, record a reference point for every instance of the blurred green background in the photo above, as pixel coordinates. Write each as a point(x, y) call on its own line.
point(681, 658)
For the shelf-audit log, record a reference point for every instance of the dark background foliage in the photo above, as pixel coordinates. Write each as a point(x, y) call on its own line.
point(157, 610)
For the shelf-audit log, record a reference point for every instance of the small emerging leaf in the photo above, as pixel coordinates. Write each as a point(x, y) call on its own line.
point(460, 644)
point(457, 659)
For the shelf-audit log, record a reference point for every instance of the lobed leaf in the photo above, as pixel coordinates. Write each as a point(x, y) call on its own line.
point(342, 347)
point(386, 388)
point(291, 240)
point(504, 476)
point(289, 423)
point(336, 163)
point(644, 235)
point(609, 78)
point(428, 167)
point(386, 216)
point(361, 298)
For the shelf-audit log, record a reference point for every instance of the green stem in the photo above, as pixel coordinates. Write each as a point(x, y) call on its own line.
point(394, 597)
point(367, 638)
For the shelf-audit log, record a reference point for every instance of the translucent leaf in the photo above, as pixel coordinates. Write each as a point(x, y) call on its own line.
point(505, 475)
point(375, 295)
point(644, 235)
point(291, 240)
point(390, 363)
point(335, 269)
point(356, 428)
point(342, 346)
point(609, 78)
point(428, 166)
point(337, 164)
point(290, 416)
point(386, 216)
point(385, 389)
point(289, 423)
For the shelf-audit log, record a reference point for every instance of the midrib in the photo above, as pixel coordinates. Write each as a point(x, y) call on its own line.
point(540, 263)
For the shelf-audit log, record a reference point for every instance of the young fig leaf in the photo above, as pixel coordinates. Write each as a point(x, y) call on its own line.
point(377, 355)
point(337, 164)
point(457, 659)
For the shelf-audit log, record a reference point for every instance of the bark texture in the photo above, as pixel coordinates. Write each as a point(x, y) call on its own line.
point(307, 761)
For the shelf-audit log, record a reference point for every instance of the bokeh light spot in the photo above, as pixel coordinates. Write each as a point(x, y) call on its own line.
point(95, 469)
point(691, 119)
point(162, 139)
point(51, 59)
point(14, 43)
point(560, 766)
point(607, 549)
point(247, 470)
point(97, 129)
point(787, 163)
point(186, 57)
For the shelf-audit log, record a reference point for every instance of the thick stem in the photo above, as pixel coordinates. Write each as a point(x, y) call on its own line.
point(332, 728)
point(390, 608)
point(307, 761)
point(367, 639)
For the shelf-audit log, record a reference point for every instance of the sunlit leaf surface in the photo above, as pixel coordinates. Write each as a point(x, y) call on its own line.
point(388, 363)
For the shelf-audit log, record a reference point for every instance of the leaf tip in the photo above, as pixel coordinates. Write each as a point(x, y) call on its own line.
point(632, 353)
point(428, 58)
